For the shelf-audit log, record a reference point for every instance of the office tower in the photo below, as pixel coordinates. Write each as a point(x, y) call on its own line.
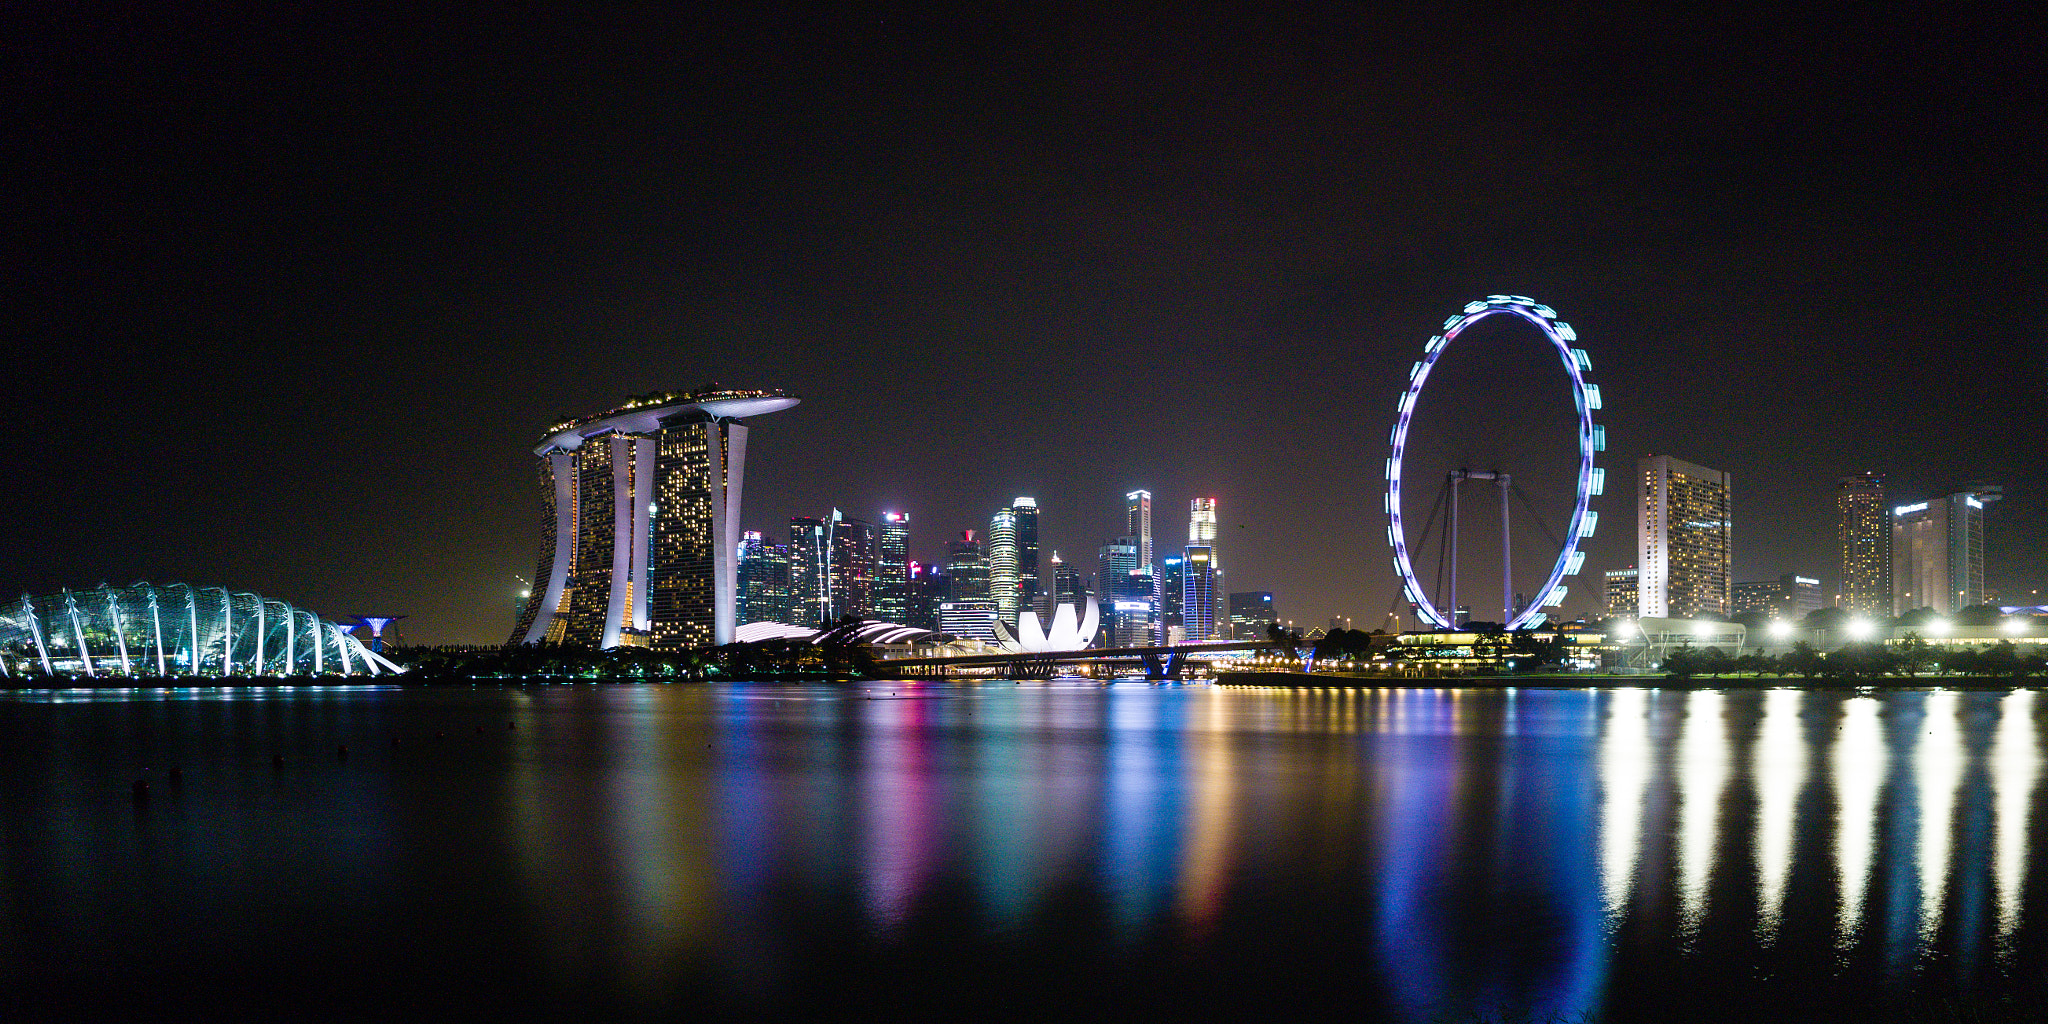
point(1123, 592)
point(1684, 538)
point(1202, 523)
point(966, 571)
point(1066, 585)
point(855, 561)
point(1172, 580)
point(1198, 594)
point(1028, 582)
point(764, 580)
point(892, 569)
point(810, 571)
point(1622, 592)
point(1938, 554)
point(640, 521)
point(1138, 524)
point(926, 589)
point(1251, 612)
point(1202, 533)
point(1866, 538)
point(1000, 552)
point(1790, 596)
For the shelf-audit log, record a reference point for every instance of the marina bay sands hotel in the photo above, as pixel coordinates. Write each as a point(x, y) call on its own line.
point(640, 513)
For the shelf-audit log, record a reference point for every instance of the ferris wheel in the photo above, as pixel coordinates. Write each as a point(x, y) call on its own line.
point(1590, 479)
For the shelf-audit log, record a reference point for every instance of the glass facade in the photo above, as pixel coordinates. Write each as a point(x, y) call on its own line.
point(764, 580)
point(810, 570)
point(1000, 553)
point(1198, 594)
point(1250, 614)
point(966, 571)
point(174, 630)
point(1938, 554)
point(855, 562)
point(892, 569)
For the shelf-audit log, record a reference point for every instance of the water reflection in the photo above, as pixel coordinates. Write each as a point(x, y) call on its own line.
point(1499, 852)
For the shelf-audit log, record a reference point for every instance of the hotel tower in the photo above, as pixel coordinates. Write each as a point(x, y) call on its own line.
point(640, 512)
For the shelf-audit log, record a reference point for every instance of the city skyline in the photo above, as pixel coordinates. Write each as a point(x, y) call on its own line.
point(1038, 254)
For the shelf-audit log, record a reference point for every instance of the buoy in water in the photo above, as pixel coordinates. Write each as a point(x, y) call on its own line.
point(277, 760)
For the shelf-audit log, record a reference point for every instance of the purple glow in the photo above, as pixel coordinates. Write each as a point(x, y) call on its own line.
point(1585, 396)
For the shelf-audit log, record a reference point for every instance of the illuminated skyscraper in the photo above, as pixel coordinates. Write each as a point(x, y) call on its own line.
point(764, 580)
point(1684, 538)
point(640, 524)
point(1029, 585)
point(1138, 524)
point(1866, 537)
point(1067, 587)
point(1000, 552)
point(1202, 533)
point(1124, 594)
point(854, 564)
point(1938, 554)
point(892, 572)
point(1172, 595)
point(966, 570)
point(810, 570)
point(1198, 594)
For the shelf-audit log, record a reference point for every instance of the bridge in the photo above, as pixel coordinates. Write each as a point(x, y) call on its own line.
point(1159, 662)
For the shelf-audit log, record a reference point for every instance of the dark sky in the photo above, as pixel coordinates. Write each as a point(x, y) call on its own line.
point(294, 292)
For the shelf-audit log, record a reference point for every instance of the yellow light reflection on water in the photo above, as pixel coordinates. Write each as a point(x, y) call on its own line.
point(1779, 771)
point(1939, 772)
point(1702, 771)
point(2015, 767)
point(1624, 774)
point(1859, 766)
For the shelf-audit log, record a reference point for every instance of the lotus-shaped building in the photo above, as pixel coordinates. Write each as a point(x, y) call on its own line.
point(1067, 634)
point(175, 630)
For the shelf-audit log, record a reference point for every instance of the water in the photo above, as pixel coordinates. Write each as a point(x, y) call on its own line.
point(1020, 851)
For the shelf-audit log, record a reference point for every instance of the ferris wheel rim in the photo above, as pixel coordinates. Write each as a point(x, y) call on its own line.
point(1592, 439)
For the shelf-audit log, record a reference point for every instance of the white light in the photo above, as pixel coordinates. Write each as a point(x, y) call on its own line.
point(1862, 629)
point(1937, 627)
point(1705, 628)
point(1781, 628)
point(2013, 625)
point(1909, 509)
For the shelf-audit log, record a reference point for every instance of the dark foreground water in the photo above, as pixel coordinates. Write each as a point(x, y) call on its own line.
point(1034, 851)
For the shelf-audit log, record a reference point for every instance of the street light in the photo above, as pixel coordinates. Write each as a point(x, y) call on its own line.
point(1938, 627)
point(1861, 629)
point(1780, 629)
point(2013, 625)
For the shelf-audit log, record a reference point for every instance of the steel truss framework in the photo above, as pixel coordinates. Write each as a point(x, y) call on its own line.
point(174, 630)
point(1592, 439)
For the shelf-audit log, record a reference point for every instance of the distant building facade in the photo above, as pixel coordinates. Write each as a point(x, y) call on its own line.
point(1938, 554)
point(1865, 534)
point(810, 570)
point(1000, 552)
point(966, 571)
point(1684, 539)
point(1198, 594)
point(1622, 592)
point(764, 580)
point(1790, 596)
point(855, 562)
point(1024, 511)
point(1250, 613)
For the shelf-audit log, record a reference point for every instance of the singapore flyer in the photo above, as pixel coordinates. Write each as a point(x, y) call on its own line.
point(1438, 605)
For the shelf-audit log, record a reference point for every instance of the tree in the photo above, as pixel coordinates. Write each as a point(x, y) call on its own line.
point(1911, 655)
point(1802, 659)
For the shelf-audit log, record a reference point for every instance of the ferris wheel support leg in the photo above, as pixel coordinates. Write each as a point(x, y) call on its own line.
point(1507, 570)
point(1456, 477)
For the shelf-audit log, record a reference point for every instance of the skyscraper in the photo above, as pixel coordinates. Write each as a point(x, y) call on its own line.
point(1172, 595)
point(1938, 554)
point(1866, 538)
point(1001, 555)
point(1198, 594)
point(854, 564)
point(1684, 538)
point(1138, 524)
point(892, 569)
point(1029, 585)
point(966, 571)
point(810, 570)
point(640, 523)
point(1123, 593)
point(764, 580)
point(1066, 584)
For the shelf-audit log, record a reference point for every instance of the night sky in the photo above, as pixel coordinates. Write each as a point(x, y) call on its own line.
point(293, 293)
